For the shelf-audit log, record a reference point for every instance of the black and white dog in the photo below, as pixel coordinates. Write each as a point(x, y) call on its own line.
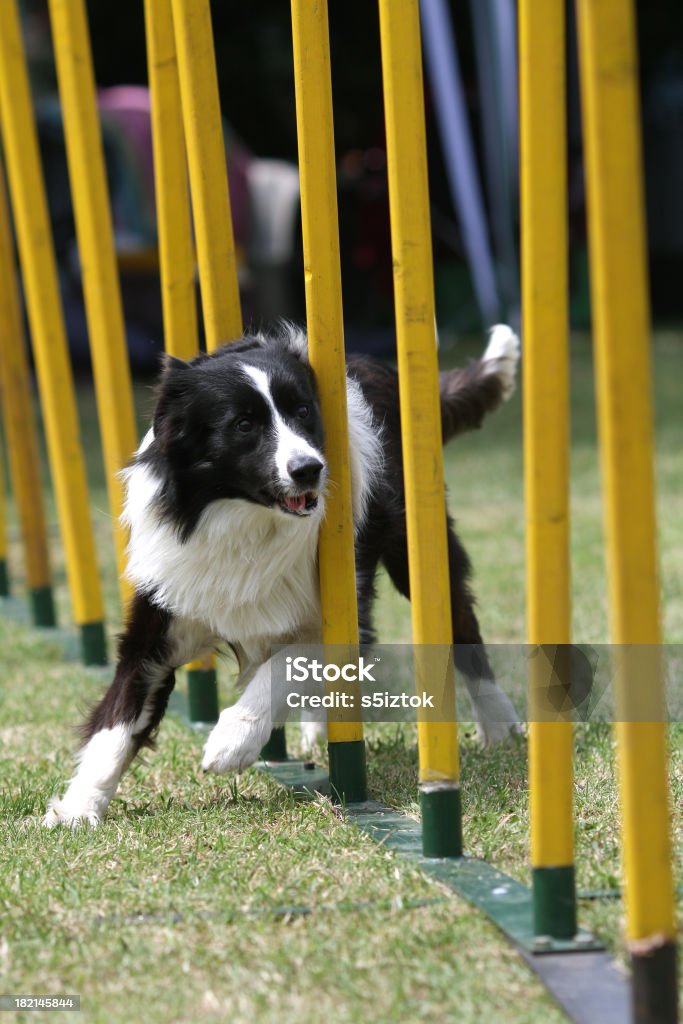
point(225, 498)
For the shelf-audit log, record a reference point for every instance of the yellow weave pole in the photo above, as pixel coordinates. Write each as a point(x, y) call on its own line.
point(4, 542)
point(176, 253)
point(98, 256)
point(546, 451)
point(176, 249)
point(20, 429)
point(608, 64)
point(420, 409)
point(315, 130)
point(55, 380)
point(208, 173)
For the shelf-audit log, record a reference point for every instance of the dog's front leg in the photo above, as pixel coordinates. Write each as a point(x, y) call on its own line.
point(243, 729)
point(124, 720)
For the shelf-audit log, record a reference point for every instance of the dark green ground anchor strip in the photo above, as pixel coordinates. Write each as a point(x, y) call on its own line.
point(202, 695)
point(506, 901)
point(304, 778)
point(554, 892)
point(576, 971)
point(93, 643)
point(43, 607)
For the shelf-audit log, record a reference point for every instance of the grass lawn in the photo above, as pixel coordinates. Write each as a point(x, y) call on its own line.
point(201, 899)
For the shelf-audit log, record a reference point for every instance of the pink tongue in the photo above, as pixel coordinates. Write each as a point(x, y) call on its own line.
point(297, 504)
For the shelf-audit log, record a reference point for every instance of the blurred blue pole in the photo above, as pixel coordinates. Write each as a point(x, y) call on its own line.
point(505, 22)
point(494, 29)
point(458, 151)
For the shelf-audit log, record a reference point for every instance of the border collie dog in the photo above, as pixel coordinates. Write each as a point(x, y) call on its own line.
point(224, 501)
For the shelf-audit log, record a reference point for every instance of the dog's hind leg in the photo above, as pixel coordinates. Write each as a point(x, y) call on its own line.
point(126, 717)
point(494, 712)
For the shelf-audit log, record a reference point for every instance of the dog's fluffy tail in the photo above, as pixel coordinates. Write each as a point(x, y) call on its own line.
point(468, 395)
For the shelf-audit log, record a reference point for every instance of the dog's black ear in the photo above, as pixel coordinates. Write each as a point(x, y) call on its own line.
point(174, 384)
point(178, 424)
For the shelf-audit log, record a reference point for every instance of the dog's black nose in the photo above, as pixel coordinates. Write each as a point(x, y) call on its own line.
point(305, 470)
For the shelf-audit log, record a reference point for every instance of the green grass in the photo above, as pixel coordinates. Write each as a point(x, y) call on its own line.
point(186, 904)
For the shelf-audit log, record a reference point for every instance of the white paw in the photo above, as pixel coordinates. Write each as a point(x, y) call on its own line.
point(59, 814)
point(313, 735)
point(490, 733)
point(494, 712)
point(235, 741)
point(502, 357)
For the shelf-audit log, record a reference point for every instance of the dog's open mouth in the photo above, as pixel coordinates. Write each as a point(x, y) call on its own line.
point(298, 504)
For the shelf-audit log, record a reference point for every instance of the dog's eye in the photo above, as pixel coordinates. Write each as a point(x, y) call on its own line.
point(244, 425)
point(303, 411)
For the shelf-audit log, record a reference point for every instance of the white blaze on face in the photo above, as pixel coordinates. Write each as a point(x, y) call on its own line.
point(288, 443)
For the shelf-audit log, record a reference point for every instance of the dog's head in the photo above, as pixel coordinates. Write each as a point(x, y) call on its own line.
point(243, 422)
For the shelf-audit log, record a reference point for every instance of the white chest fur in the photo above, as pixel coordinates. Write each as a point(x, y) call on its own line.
point(246, 572)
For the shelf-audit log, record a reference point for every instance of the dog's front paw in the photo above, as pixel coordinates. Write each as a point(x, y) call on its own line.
point(235, 742)
point(58, 813)
point(501, 357)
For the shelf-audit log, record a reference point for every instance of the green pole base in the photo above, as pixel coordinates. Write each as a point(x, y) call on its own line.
point(554, 900)
point(441, 822)
point(4, 579)
point(348, 780)
point(93, 643)
point(276, 747)
point(202, 695)
point(655, 984)
point(43, 607)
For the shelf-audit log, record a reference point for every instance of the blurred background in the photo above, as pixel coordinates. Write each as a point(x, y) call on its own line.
point(470, 55)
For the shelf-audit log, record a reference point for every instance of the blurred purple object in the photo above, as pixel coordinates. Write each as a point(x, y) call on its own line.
point(127, 107)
